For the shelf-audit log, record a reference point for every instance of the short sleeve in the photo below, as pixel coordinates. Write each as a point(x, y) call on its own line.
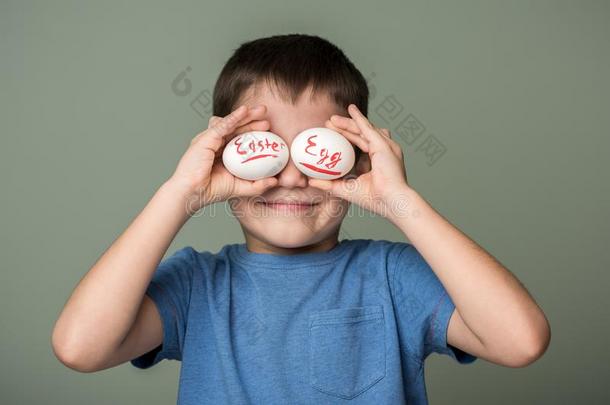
point(170, 289)
point(422, 307)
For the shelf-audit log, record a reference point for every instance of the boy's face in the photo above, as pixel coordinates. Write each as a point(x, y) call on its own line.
point(272, 222)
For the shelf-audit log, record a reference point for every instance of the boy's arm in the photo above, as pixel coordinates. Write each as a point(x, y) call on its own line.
point(495, 317)
point(99, 315)
point(107, 319)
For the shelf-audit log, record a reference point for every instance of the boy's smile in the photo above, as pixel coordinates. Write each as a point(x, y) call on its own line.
point(293, 217)
point(284, 204)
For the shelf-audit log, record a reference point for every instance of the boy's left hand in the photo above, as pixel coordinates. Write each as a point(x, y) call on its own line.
point(380, 188)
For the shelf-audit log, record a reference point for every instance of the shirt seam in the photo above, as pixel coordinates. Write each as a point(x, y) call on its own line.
point(419, 362)
point(432, 328)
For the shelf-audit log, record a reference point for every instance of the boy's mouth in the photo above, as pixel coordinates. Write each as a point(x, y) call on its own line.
point(288, 205)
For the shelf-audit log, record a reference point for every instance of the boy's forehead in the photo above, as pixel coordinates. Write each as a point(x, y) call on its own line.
point(308, 111)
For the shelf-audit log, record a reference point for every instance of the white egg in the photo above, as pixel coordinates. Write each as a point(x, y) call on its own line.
point(322, 153)
point(255, 155)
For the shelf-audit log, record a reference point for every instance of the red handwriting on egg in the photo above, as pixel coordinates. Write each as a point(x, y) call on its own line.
point(326, 158)
point(257, 149)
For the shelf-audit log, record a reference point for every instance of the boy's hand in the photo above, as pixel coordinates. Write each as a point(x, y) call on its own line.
point(382, 182)
point(200, 172)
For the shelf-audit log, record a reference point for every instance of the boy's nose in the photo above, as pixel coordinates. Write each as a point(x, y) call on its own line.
point(290, 176)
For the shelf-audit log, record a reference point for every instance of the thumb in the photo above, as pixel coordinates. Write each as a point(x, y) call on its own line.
point(342, 188)
point(247, 188)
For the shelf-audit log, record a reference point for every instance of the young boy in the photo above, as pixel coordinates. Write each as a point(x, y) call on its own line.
point(293, 315)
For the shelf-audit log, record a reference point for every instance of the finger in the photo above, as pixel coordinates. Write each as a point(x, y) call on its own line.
point(396, 148)
point(240, 117)
point(356, 139)
point(228, 124)
point(247, 188)
point(262, 125)
point(367, 129)
point(251, 122)
point(342, 188)
point(222, 129)
point(345, 123)
point(213, 119)
point(217, 126)
point(255, 113)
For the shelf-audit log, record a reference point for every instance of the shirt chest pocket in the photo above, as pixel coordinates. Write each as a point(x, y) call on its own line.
point(347, 352)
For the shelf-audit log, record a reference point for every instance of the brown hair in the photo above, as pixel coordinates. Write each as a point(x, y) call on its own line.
point(290, 63)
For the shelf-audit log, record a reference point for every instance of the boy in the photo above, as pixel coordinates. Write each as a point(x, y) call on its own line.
point(293, 315)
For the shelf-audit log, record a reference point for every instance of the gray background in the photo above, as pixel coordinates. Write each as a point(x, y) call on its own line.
point(516, 92)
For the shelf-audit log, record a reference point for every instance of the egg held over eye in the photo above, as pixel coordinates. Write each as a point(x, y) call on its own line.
point(255, 155)
point(322, 153)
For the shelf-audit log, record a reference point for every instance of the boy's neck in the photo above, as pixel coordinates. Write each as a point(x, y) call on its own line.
point(256, 245)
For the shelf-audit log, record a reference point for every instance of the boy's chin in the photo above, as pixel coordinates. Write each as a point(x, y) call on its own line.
point(294, 243)
point(289, 240)
point(296, 236)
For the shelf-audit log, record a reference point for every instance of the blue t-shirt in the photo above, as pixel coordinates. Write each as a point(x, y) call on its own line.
point(350, 325)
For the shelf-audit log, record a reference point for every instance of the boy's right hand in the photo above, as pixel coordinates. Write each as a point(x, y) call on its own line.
point(200, 172)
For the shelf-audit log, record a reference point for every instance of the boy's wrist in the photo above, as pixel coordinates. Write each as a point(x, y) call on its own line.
point(182, 194)
point(404, 204)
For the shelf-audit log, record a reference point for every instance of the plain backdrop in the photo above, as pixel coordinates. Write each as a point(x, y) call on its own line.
point(515, 94)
